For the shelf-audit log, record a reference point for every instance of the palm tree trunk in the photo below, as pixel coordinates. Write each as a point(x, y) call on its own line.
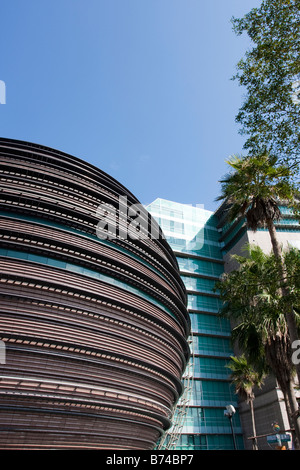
point(273, 234)
point(254, 441)
point(290, 417)
point(276, 356)
point(289, 313)
point(294, 411)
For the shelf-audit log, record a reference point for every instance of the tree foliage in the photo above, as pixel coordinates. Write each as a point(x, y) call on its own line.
point(252, 299)
point(254, 187)
point(244, 377)
point(270, 72)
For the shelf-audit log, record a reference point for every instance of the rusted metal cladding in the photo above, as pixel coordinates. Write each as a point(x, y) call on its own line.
point(94, 326)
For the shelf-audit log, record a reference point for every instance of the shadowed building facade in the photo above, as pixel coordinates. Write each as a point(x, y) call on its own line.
point(95, 328)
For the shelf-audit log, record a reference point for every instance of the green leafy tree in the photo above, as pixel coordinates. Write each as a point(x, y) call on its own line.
point(244, 377)
point(270, 72)
point(253, 189)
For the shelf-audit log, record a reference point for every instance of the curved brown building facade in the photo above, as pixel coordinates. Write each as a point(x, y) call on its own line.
point(94, 326)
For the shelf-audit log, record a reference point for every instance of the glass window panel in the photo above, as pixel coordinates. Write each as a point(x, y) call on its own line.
point(200, 266)
point(211, 324)
point(202, 302)
point(213, 367)
point(211, 345)
point(198, 284)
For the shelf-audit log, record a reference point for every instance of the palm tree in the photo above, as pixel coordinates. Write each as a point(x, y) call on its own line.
point(252, 301)
point(245, 378)
point(253, 190)
point(273, 354)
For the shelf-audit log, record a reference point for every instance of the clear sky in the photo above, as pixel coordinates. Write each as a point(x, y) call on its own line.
point(140, 88)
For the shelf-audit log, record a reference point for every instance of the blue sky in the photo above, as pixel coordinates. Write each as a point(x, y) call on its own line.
point(139, 88)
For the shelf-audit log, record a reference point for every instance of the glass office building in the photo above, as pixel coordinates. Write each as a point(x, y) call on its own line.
point(193, 235)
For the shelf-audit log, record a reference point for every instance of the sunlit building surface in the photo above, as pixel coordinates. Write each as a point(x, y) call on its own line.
point(95, 328)
point(193, 234)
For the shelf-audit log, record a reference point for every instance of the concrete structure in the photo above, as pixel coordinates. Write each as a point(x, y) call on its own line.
point(95, 326)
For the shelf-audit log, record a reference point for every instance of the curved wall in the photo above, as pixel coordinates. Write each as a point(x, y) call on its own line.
point(95, 329)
